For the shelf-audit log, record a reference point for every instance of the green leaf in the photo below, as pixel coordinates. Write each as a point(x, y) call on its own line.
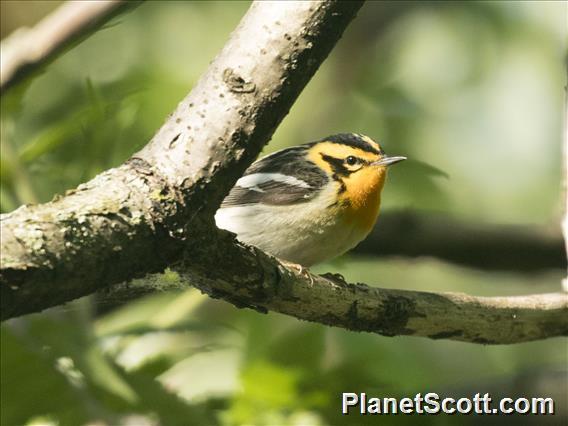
point(32, 386)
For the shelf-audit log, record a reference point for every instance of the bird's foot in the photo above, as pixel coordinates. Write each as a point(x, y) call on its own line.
point(301, 270)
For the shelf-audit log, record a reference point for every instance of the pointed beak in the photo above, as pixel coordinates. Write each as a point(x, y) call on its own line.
point(387, 161)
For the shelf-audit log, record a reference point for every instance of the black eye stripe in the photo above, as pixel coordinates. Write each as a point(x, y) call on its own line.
point(337, 165)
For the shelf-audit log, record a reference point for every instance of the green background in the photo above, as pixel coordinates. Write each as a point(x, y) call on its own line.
point(470, 92)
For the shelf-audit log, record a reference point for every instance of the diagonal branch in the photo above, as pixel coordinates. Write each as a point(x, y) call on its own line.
point(28, 49)
point(135, 219)
point(156, 210)
point(250, 278)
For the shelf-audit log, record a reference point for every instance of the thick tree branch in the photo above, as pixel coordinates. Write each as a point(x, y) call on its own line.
point(28, 49)
point(156, 210)
point(492, 247)
point(134, 219)
point(249, 278)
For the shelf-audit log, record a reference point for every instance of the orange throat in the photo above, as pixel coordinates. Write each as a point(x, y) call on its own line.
point(363, 197)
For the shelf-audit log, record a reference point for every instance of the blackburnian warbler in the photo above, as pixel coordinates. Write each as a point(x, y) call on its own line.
point(309, 203)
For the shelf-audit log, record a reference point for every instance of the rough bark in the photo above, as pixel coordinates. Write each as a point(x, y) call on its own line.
point(113, 228)
point(246, 277)
point(250, 278)
point(134, 219)
point(28, 49)
point(157, 209)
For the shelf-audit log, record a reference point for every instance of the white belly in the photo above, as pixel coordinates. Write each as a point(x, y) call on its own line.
point(300, 234)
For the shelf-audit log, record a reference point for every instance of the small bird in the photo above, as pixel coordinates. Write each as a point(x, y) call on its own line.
point(309, 203)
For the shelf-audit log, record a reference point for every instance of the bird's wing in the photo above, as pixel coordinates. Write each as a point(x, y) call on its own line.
point(283, 178)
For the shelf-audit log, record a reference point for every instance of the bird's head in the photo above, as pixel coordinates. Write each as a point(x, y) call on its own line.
point(356, 162)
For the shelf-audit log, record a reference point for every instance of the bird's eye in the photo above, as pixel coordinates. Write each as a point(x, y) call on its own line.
point(351, 161)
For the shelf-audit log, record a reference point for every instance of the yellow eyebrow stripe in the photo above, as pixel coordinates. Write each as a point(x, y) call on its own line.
point(338, 151)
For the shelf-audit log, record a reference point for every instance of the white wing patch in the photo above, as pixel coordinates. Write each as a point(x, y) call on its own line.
point(251, 182)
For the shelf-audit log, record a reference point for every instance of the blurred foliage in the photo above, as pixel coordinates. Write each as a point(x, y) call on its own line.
point(471, 92)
